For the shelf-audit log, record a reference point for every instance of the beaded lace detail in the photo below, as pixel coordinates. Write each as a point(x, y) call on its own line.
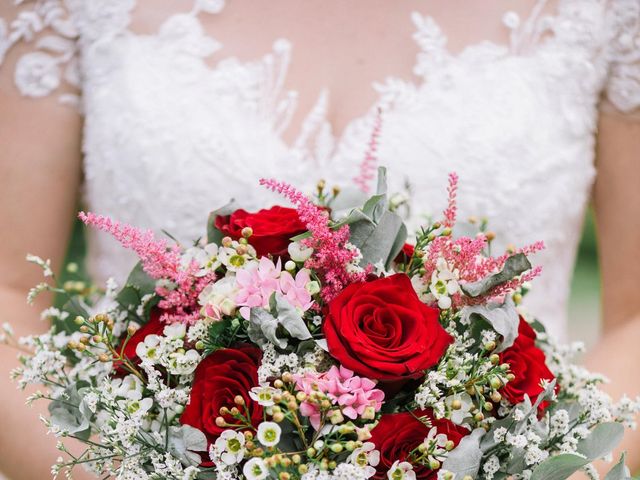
point(168, 137)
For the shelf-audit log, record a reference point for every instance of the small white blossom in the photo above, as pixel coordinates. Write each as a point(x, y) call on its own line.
point(255, 469)
point(269, 434)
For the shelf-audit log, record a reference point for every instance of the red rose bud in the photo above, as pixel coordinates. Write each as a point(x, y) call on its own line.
point(528, 365)
point(271, 229)
point(381, 330)
point(153, 327)
point(398, 434)
point(222, 381)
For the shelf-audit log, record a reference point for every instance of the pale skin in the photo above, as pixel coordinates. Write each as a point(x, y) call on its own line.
point(40, 167)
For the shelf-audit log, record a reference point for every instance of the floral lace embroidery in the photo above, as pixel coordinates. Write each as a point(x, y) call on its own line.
point(49, 26)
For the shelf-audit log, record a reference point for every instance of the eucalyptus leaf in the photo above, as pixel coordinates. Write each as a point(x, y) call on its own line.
point(348, 199)
point(213, 234)
point(378, 233)
point(184, 442)
point(503, 318)
point(291, 319)
point(466, 457)
point(67, 414)
point(514, 266)
point(559, 467)
point(603, 439)
point(263, 327)
point(263, 324)
point(619, 471)
point(379, 242)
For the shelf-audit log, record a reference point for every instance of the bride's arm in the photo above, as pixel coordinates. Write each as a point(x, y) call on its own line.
point(617, 203)
point(39, 177)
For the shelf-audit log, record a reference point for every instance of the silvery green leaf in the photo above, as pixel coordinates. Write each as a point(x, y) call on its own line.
point(516, 463)
point(619, 471)
point(379, 242)
point(503, 318)
point(213, 234)
point(559, 467)
point(514, 266)
point(322, 343)
point(347, 200)
point(291, 319)
point(603, 439)
point(466, 457)
point(184, 442)
point(66, 412)
point(262, 328)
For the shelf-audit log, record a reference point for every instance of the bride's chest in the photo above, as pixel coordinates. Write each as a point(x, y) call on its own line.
point(162, 122)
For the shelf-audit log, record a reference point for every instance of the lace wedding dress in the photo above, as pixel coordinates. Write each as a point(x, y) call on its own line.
point(167, 137)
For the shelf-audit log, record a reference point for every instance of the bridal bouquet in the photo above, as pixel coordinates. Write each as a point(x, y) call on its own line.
point(314, 343)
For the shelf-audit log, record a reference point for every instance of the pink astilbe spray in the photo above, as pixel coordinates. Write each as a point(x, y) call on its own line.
point(465, 255)
point(452, 207)
point(331, 256)
point(161, 262)
point(369, 162)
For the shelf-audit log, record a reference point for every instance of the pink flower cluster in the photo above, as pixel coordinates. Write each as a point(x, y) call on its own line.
point(452, 207)
point(465, 255)
point(330, 257)
point(356, 396)
point(368, 165)
point(256, 285)
point(159, 261)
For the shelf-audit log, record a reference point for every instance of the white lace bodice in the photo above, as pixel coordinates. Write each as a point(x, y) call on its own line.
point(168, 138)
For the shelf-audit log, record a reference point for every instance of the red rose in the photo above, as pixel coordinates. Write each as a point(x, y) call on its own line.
point(218, 379)
point(153, 327)
point(383, 331)
point(398, 434)
point(272, 228)
point(527, 363)
point(405, 254)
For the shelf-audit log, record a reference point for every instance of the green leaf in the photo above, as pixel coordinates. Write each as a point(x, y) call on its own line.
point(376, 231)
point(514, 266)
point(68, 413)
point(302, 236)
point(184, 442)
point(503, 318)
point(74, 308)
point(619, 471)
point(379, 242)
point(603, 439)
point(291, 319)
point(264, 324)
point(137, 286)
point(466, 457)
point(348, 199)
point(213, 234)
point(263, 328)
point(559, 467)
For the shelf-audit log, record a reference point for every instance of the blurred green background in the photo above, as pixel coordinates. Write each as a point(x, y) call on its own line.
point(584, 307)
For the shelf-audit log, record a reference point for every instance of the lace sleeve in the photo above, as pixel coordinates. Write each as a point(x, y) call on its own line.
point(44, 36)
point(623, 85)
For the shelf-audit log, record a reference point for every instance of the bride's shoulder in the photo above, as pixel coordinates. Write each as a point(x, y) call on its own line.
point(622, 50)
point(38, 46)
